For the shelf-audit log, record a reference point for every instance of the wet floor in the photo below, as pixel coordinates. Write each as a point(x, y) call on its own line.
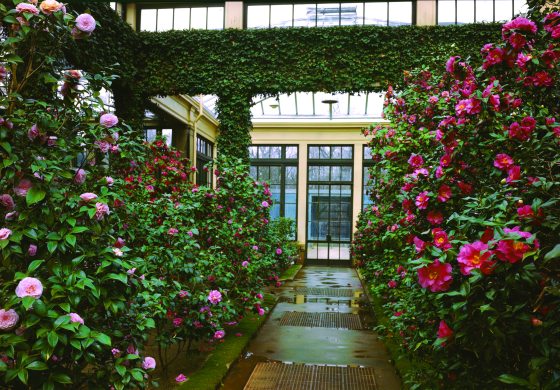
point(322, 318)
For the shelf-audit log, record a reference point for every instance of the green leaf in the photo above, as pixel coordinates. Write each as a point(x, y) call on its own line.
point(137, 374)
point(23, 375)
point(120, 369)
point(37, 366)
point(61, 378)
point(34, 265)
point(27, 302)
point(71, 239)
point(513, 380)
point(6, 146)
point(52, 338)
point(51, 246)
point(120, 277)
point(80, 229)
point(553, 254)
point(35, 195)
point(103, 339)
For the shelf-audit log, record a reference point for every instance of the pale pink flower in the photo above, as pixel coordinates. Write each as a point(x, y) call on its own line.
point(278, 251)
point(109, 180)
point(108, 120)
point(85, 23)
point(33, 132)
point(7, 201)
point(172, 231)
point(75, 317)
point(8, 319)
point(101, 211)
point(117, 252)
point(265, 204)
point(88, 196)
point(149, 363)
point(116, 352)
point(131, 271)
point(245, 263)
point(29, 287)
point(219, 334)
point(80, 176)
point(181, 378)
point(32, 250)
point(215, 297)
point(183, 293)
point(11, 215)
point(27, 8)
point(23, 186)
point(261, 311)
point(5, 233)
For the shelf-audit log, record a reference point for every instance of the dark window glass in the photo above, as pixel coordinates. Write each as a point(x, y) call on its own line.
point(204, 156)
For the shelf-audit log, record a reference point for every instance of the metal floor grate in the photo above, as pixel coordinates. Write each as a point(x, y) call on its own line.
point(327, 292)
point(321, 320)
point(279, 376)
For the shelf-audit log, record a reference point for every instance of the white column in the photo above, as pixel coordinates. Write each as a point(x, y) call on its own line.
point(426, 12)
point(234, 14)
point(302, 192)
point(357, 187)
point(131, 15)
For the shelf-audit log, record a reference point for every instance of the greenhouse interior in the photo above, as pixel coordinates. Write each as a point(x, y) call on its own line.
point(270, 195)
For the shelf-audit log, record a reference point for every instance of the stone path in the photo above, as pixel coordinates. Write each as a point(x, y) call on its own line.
point(318, 337)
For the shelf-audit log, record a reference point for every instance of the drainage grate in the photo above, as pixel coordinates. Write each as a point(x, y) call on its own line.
point(321, 320)
point(328, 292)
point(279, 376)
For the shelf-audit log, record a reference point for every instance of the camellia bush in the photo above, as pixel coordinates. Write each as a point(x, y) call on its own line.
point(461, 244)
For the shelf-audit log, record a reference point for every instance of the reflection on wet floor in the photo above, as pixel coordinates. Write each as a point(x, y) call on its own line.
point(313, 297)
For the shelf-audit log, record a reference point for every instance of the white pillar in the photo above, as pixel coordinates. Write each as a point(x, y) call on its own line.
point(234, 14)
point(302, 192)
point(426, 12)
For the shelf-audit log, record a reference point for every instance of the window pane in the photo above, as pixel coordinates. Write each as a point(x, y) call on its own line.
point(167, 135)
point(400, 13)
point(291, 175)
point(275, 211)
point(504, 10)
point(275, 191)
point(275, 175)
point(367, 153)
point(336, 152)
point(264, 151)
point(258, 16)
point(281, 15)
point(291, 194)
point(324, 173)
point(347, 152)
point(324, 152)
point(181, 19)
point(151, 134)
point(335, 173)
point(148, 19)
point(165, 19)
point(485, 10)
point(346, 174)
point(264, 174)
point(351, 14)
point(276, 152)
point(520, 6)
point(253, 171)
point(314, 152)
point(198, 18)
point(446, 11)
point(290, 211)
point(253, 152)
point(313, 173)
point(305, 15)
point(376, 14)
point(215, 18)
point(291, 152)
point(465, 11)
point(328, 14)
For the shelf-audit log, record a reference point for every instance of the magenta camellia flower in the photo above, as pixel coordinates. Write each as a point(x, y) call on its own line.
point(80, 176)
point(444, 331)
point(503, 161)
point(32, 250)
point(265, 204)
point(5, 233)
point(278, 251)
point(219, 334)
point(440, 239)
point(85, 23)
point(245, 263)
point(33, 132)
point(181, 378)
point(435, 217)
point(215, 297)
point(149, 363)
point(23, 8)
point(444, 193)
point(8, 319)
point(172, 231)
point(29, 287)
point(23, 186)
point(101, 210)
point(108, 120)
point(7, 202)
point(88, 196)
point(475, 255)
point(415, 160)
point(116, 352)
point(75, 317)
point(450, 64)
point(436, 276)
point(177, 322)
point(525, 212)
point(514, 174)
point(422, 200)
point(392, 284)
point(109, 180)
point(419, 244)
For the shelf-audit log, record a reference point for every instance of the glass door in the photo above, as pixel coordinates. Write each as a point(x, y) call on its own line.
point(329, 204)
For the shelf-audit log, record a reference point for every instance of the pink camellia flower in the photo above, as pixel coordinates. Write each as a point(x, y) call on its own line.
point(435, 217)
point(85, 23)
point(278, 251)
point(511, 251)
point(29, 287)
point(475, 255)
point(514, 174)
point(461, 107)
point(265, 204)
point(436, 276)
point(450, 64)
point(440, 239)
point(108, 120)
point(466, 188)
point(23, 186)
point(88, 196)
point(260, 311)
point(116, 352)
point(419, 244)
point(503, 161)
point(23, 8)
point(516, 230)
point(101, 210)
point(11, 215)
point(149, 363)
point(415, 160)
point(103, 146)
point(32, 250)
point(7, 202)
point(245, 263)
point(444, 331)
point(80, 176)
point(215, 297)
point(473, 106)
point(118, 252)
point(219, 334)
point(33, 133)
point(119, 243)
point(181, 378)
point(525, 212)
point(131, 271)
point(50, 6)
point(177, 322)
point(519, 24)
point(109, 180)
point(74, 317)
point(8, 319)
point(183, 294)
point(445, 160)
point(422, 200)
point(392, 284)
point(5, 233)
point(172, 231)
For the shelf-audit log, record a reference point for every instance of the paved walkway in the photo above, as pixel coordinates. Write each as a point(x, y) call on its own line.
point(318, 337)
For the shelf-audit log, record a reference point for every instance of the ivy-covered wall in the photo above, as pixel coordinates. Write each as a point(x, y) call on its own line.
point(238, 64)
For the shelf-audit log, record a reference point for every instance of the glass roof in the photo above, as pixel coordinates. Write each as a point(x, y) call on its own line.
point(319, 105)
